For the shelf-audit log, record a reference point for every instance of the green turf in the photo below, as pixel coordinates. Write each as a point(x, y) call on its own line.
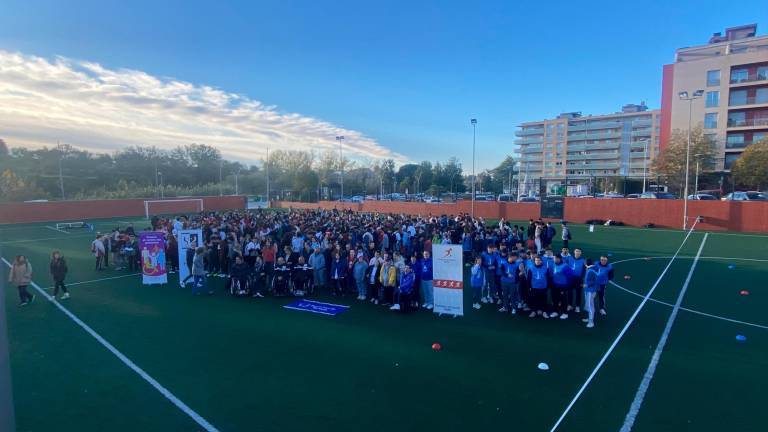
point(247, 364)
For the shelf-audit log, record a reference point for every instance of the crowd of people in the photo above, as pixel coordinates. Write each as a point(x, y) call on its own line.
point(384, 259)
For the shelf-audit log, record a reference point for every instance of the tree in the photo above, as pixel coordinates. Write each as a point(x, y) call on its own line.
point(3, 149)
point(670, 163)
point(751, 169)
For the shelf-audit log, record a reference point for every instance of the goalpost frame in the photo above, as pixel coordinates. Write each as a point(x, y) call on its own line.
point(148, 202)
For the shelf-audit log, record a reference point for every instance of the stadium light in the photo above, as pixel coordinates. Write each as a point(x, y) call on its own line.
point(474, 133)
point(684, 96)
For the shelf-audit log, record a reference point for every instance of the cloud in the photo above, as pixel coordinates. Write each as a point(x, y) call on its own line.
point(99, 109)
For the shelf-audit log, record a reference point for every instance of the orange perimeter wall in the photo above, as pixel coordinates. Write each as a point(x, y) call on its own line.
point(718, 215)
point(98, 209)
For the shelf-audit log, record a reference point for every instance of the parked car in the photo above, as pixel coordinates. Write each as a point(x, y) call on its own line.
point(431, 200)
point(656, 195)
point(746, 196)
point(358, 198)
point(632, 196)
point(702, 197)
point(527, 199)
point(506, 197)
point(717, 193)
point(610, 195)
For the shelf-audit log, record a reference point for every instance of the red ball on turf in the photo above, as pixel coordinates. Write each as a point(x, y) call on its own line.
point(744, 292)
point(437, 346)
point(627, 277)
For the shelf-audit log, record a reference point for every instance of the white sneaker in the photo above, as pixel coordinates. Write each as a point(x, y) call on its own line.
point(503, 309)
point(526, 309)
point(603, 312)
point(585, 320)
point(476, 305)
point(65, 296)
point(553, 315)
point(375, 302)
point(563, 316)
point(577, 309)
point(395, 307)
point(498, 302)
point(545, 316)
point(532, 315)
point(429, 306)
point(569, 308)
point(484, 300)
point(590, 324)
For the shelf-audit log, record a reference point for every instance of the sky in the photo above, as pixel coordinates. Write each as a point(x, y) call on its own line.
point(398, 79)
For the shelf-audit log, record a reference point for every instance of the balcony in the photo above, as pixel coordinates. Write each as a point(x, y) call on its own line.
point(739, 145)
point(525, 159)
point(642, 132)
point(531, 149)
point(601, 146)
point(751, 100)
point(749, 79)
point(604, 125)
point(533, 131)
point(642, 123)
point(524, 141)
point(641, 154)
point(592, 166)
point(592, 156)
point(756, 122)
point(594, 136)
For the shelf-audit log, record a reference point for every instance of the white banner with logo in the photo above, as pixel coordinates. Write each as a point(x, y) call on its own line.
point(448, 279)
point(188, 240)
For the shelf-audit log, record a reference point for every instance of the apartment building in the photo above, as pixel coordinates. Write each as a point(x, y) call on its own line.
point(576, 146)
point(728, 81)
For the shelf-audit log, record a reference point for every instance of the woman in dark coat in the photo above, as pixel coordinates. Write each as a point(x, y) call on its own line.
point(58, 273)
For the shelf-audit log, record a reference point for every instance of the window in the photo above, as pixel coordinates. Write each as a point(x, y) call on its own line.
point(759, 136)
point(730, 158)
point(735, 141)
point(739, 75)
point(762, 73)
point(710, 137)
point(761, 95)
point(713, 99)
point(738, 97)
point(713, 78)
point(737, 119)
point(710, 121)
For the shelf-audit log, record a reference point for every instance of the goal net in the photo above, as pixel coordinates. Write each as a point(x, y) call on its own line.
point(174, 206)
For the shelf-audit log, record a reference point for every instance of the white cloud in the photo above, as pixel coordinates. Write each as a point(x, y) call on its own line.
point(89, 106)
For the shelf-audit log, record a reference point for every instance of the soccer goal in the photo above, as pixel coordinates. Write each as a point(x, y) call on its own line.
point(173, 206)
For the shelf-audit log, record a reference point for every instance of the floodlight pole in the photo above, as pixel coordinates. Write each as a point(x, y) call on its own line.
point(61, 175)
point(645, 164)
point(267, 170)
point(340, 138)
point(684, 96)
point(474, 133)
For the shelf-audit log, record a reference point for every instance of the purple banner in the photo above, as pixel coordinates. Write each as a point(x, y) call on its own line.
point(152, 247)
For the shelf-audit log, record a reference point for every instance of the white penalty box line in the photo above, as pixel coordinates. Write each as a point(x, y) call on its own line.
point(128, 362)
point(622, 332)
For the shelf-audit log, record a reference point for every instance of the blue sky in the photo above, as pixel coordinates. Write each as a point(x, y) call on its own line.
point(407, 76)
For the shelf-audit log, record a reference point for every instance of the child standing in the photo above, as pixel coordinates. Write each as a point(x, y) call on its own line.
point(591, 285)
point(476, 280)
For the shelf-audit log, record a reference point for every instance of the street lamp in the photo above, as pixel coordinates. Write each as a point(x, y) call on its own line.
point(266, 169)
point(162, 192)
point(696, 187)
point(684, 96)
point(474, 134)
point(237, 189)
point(645, 163)
point(340, 138)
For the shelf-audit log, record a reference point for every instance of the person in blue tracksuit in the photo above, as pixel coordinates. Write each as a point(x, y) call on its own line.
point(426, 280)
point(538, 277)
point(591, 286)
point(561, 275)
point(476, 280)
point(466, 246)
point(404, 292)
point(548, 257)
point(509, 285)
point(578, 266)
point(490, 262)
point(604, 275)
point(338, 274)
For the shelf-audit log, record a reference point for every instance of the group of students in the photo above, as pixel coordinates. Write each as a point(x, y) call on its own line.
point(546, 285)
point(381, 258)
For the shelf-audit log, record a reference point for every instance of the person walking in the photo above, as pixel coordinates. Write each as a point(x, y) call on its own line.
point(565, 234)
point(198, 272)
point(591, 286)
point(21, 276)
point(58, 268)
point(97, 248)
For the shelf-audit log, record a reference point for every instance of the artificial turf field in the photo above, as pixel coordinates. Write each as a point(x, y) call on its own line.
point(251, 365)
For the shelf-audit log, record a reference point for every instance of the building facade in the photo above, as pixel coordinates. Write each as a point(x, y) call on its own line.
point(731, 70)
point(584, 147)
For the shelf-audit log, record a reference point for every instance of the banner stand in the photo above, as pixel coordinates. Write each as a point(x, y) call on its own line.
point(448, 279)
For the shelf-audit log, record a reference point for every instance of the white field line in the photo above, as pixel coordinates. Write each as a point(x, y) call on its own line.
point(645, 383)
point(96, 280)
point(128, 362)
point(621, 333)
point(46, 238)
point(56, 229)
point(693, 311)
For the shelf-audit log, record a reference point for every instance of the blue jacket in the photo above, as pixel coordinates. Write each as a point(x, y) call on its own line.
point(489, 260)
point(339, 268)
point(466, 243)
point(590, 280)
point(538, 275)
point(548, 261)
point(478, 277)
point(578, 266)
point(510, 272)
point(604, 273)
point(359, 270)
point(406, 282)
point(426, 269)
point(561, 275)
